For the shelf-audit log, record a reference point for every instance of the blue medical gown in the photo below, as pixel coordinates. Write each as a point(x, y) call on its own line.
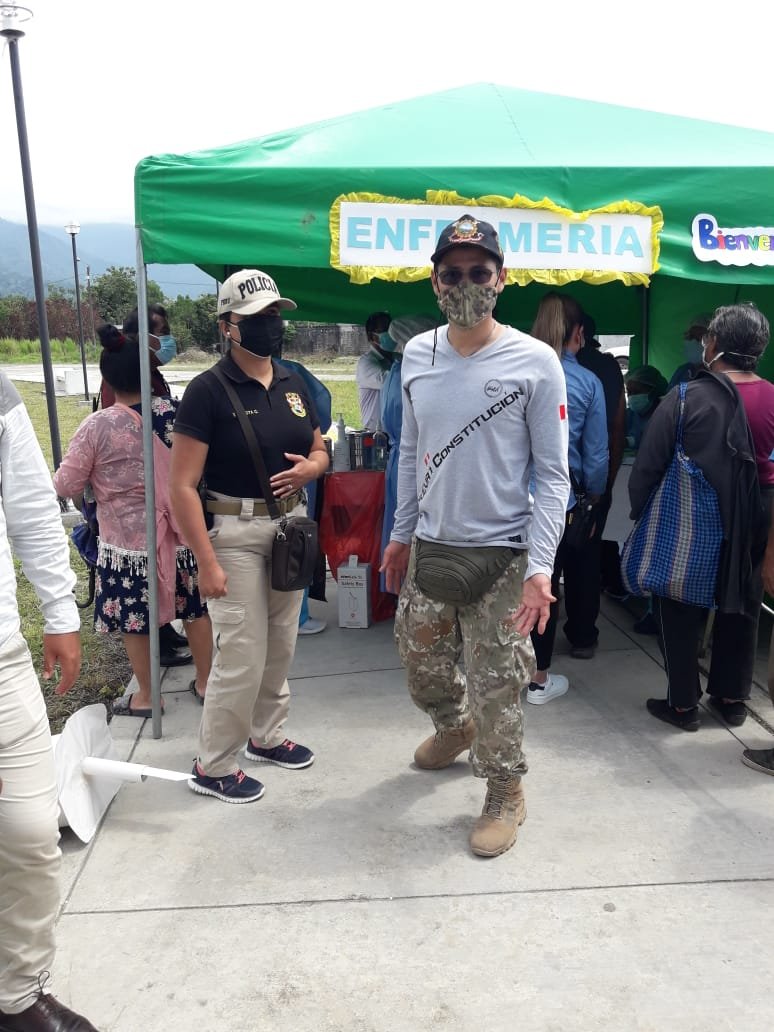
point(321, 397)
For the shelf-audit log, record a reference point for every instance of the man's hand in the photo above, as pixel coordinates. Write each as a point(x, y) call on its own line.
point(64, 650)
point(212, 580)
point(394, 565)
point(535, 608)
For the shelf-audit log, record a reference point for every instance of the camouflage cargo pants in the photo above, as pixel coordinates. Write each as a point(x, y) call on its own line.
point(433, 637)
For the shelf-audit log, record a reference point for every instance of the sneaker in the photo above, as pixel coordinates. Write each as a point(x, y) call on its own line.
point(686, 720)
point(312, 626)
point(734, 713)
point(287, 754)
point(759, 759)
point(540, 694)
point(233, 788)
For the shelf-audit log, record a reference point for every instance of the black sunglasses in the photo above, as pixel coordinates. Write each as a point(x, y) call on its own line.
point(479, 274)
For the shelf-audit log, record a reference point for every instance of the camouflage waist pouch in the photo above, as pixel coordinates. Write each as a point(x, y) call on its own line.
point(459, 576)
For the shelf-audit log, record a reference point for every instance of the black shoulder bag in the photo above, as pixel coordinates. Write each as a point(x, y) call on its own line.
point(581, 519)
point(295, 548)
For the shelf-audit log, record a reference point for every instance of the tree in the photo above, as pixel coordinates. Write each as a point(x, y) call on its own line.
point(114, 293)
point(194, 321)
point(14, 321)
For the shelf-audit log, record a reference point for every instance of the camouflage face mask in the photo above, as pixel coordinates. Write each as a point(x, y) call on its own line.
point(467, 303)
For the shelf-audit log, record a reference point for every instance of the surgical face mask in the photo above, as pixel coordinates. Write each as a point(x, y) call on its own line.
point(261, 335)
point(167, 348)
point(639, 403)
point(467, 304)
point(692, 350)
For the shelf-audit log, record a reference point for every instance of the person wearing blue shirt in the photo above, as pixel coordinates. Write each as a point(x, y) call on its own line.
point(400, 331)
point(645, 387)
point(321, 397)
point(559, 322)
point(692, 351)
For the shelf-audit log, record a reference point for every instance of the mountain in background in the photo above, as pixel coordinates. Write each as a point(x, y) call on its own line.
point(99, 245)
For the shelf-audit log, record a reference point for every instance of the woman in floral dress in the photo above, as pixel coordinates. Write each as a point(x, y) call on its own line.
point(107, 453)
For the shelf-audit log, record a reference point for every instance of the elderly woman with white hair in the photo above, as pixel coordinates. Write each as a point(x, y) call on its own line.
point(400, 332)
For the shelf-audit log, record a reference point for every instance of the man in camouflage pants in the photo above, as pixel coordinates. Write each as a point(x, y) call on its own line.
point(483, 405)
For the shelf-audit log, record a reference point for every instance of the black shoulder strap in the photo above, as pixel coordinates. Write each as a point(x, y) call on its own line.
point(252, 442)
point(576, 487)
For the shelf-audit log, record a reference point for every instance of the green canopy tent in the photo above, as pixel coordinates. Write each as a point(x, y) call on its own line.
point(272, 202)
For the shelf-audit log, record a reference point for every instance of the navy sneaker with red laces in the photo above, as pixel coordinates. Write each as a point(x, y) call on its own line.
point(233, 788)
point(287, 754)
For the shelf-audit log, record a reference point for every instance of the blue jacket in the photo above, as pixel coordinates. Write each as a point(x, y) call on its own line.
point(588, 451)
point(321, 397)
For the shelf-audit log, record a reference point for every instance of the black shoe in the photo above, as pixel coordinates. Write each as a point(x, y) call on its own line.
point(46, 1014)
point(174, 657)
point(734, 713)
point(583, 651)
point(646, 625)
point(170, 639)
point(759, 759)
point(686, 721)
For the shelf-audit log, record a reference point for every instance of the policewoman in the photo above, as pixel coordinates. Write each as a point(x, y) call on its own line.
point(254, 627)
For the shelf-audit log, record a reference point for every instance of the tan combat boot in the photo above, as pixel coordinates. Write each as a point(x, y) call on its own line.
point(504, 810)
point(443, 748)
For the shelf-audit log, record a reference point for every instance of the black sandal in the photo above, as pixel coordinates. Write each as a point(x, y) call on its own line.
point(192, 688)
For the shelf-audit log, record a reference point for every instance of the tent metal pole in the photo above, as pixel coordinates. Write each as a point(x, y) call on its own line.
point(150, 489)
point(645, 324)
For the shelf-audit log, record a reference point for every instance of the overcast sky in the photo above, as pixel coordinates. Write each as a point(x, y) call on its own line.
point(106, 84)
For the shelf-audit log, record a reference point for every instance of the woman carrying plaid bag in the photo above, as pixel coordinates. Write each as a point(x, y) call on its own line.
point(728, 433)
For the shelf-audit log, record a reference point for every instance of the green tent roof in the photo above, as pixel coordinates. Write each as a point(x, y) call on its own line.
point(266, 202)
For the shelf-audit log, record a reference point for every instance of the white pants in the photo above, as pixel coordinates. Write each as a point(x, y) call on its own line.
point(29, 831)
point(254, 630)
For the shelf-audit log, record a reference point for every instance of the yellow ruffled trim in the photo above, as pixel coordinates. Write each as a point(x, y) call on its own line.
point(363, 274)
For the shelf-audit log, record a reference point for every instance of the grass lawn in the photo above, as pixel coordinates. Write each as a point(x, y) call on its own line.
point(105, 669)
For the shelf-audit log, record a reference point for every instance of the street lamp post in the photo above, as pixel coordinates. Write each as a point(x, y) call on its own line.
point(91, 306)
point(73, 228)
point(11, 17)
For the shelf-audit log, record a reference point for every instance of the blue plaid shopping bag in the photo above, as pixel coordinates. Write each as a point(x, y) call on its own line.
point(674, 549)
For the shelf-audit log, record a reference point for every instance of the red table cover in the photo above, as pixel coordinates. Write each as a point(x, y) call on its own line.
point(351, 524)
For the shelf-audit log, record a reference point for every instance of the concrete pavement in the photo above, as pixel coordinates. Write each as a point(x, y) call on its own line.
point(638, 896)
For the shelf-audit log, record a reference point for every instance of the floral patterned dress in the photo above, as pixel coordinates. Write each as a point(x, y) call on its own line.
point(106, 453)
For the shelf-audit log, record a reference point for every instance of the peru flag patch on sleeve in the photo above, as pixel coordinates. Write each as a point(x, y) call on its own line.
point(563, 412)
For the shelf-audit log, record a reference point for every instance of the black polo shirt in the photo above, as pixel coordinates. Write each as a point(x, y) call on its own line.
point(283, 417)
point(608, 371)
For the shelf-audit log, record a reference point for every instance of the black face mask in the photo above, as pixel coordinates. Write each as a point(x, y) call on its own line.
point(261, 335)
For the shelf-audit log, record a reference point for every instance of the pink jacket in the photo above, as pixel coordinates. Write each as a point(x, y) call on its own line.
point(106, 452)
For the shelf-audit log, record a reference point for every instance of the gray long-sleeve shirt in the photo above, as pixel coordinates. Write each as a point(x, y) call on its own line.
point(474, 429)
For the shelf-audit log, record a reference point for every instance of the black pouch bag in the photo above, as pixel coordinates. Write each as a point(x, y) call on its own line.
point(294, 554)
point(458, 576)
point(581, 519)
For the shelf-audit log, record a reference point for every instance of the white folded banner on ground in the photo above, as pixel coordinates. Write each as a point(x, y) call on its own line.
point(89, 772)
